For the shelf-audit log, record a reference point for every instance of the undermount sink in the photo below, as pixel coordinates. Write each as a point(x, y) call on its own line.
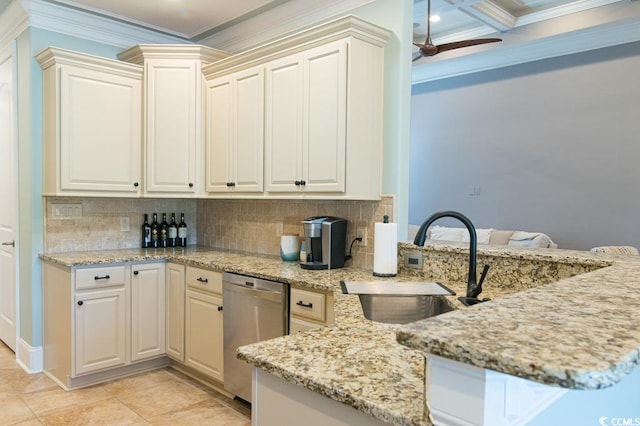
point(400, 303)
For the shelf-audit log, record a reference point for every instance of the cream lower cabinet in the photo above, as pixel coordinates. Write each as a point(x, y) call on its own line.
point(309, 309)
point(92, 125)
point(147, 310)
point(175, 311)
point(102, 322)
point(100, 329)
point(203, 322)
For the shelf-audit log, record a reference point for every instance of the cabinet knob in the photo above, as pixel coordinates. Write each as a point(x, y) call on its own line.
point(80, 303)
point(219, 308)
point(136, 272)
point(136, 184)
point(297, 183)
point(190, 184)
point(303, 182)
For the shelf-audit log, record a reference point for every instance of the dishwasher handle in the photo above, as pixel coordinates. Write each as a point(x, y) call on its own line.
point(271, 295)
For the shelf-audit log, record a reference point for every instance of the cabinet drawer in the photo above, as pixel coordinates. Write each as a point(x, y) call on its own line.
point(204, 279)
point(104, 276)
point(308, 304)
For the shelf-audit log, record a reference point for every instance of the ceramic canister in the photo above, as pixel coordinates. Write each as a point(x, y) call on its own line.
point(289, 247)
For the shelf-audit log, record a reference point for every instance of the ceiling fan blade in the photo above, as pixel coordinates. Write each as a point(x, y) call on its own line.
point(465, 43)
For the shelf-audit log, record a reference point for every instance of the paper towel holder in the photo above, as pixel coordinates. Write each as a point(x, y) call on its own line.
point(394, 272)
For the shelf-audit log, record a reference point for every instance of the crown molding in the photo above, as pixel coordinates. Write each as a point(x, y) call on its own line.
point(595, 37)
point(13, 21)
point(277, 22)
point(90, 26)
point(56, 56)
point(346, 26)
point(139, 53)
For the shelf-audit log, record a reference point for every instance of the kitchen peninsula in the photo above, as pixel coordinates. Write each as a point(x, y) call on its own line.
point(360, 364)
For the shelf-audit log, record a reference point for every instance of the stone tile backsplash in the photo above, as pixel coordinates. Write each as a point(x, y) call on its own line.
point(99, 226)
point(246, 225)
point(256, 225)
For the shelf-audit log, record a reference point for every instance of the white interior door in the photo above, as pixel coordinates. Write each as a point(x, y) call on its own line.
point(8, 206)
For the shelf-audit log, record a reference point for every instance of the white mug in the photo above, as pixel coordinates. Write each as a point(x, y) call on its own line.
point(289, 247)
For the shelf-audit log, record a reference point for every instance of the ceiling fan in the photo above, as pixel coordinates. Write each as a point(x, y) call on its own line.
point(430, 49)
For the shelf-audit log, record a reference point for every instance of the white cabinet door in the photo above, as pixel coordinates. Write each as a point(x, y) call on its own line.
point(175, 311)
point(235, 134)
point(147, 310)
point(99, 124)
point(248, 157)
point(203, 340)
point(306, 101)
point(219, 134)
point(171, 127)
point(324, 123)
point(100, 333)
point(283, 125)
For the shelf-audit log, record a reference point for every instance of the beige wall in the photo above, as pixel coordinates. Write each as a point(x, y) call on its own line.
point(245, 225)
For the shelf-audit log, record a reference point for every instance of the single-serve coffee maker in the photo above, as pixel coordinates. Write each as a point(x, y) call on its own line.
point(325, 239)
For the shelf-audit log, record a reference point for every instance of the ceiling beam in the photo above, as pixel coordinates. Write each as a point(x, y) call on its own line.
point(487, 12)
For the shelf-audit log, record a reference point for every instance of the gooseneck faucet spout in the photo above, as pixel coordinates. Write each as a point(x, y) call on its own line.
point(473, 288)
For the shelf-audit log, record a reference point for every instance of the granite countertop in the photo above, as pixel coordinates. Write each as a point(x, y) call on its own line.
point(356, 361)
point(579, 332)
point(582, 332)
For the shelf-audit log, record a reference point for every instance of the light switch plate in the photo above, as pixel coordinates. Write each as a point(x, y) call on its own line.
point(66, 211)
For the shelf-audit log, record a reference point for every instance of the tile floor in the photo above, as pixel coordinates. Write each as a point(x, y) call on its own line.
point(161, 397)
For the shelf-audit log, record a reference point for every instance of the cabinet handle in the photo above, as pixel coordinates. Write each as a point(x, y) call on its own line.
point(303, 182)
point(11, 243)
point(297, 183)
point(136, 272)
point(304, 305)
point(80, 303)
point(136, 184)
point(228, 184)
point(190, 184)
point(233, 184)
point(219, 308)
point(202, 280)
point(106, 277)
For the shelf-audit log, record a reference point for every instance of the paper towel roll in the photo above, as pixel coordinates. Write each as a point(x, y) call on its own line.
point(385, 250)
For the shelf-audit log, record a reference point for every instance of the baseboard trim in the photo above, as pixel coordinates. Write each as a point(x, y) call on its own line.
point(29, 358)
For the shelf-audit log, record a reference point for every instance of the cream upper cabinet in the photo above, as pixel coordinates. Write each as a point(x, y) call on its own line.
point(234, 132)
point(324, 94)
point(92, 124)
point(173, 125)
point(306, 99)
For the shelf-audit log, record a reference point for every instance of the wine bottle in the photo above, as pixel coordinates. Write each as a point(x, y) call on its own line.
point(146, 232)
point(182, 232)
point(164, 228)
point(155, 231)
point(172, 233)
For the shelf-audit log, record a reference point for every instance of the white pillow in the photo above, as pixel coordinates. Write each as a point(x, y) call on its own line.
point(483, 236)
point(444, 233)
point(521, 239)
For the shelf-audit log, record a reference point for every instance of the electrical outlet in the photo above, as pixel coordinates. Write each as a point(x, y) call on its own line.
point(66, 211)
point(413, 260)
point(361, 231)
point(124, 224)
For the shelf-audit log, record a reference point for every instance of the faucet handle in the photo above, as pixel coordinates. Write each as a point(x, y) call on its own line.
point(485, 269)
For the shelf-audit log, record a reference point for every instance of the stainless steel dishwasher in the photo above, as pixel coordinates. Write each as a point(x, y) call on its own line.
point(254, 310)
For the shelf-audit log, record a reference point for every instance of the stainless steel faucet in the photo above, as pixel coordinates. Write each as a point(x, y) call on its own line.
point(473, 288)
